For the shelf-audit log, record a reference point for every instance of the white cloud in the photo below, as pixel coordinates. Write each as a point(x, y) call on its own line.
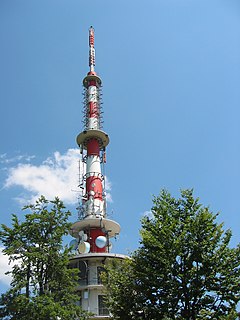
point(148, 213)
point(23, 157)
point(4, 267)
point(58, 176)
point(108, 187)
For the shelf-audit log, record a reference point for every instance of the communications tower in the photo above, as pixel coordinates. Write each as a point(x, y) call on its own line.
point(93, 230)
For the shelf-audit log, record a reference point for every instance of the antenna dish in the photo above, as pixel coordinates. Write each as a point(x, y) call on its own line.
point(91, 193)
point(83, 236)
point(101, 241)
point(73, 244)
point(84, 247)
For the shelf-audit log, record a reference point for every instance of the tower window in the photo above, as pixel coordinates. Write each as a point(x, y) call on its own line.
point(83, 273)
point(100, 271)
point(102, 308)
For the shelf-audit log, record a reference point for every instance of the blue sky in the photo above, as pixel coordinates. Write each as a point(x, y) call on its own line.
point(171, 74)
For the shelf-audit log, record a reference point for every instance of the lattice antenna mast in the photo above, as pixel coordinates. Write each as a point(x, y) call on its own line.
point(92, 98)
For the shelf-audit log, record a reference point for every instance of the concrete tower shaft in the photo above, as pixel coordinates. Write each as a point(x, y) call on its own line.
point(93, 230)
point(92, 142)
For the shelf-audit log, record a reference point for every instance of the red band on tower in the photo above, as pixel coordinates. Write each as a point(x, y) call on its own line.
point(93, 148)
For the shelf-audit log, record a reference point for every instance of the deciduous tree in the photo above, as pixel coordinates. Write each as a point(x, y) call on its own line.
point(184, 268)
point(42, 287)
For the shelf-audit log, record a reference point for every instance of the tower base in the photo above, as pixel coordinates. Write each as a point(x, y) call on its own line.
point(90, 287)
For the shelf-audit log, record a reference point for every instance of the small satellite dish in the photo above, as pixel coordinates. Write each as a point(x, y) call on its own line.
point(101, 241)
point(84, 247)
point(83, 236)
point(73, 244)
point(91, 193)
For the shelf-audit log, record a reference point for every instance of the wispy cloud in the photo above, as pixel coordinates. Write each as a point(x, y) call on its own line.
point(147, 213)
point(58, 175)
point(4, 159)
point(4, 267)
point(108, 187)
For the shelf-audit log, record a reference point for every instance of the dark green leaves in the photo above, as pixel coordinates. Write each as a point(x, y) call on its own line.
point(183, 269)
point(42, 287)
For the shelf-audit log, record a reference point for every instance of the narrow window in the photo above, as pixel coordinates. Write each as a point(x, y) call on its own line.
point(100, 271)
point(102, 308)
point(83, 273)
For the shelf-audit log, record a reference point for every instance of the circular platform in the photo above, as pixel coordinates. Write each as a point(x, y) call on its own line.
point(86, 135)
point(98, 256)
point(90, 77)
point(110, 226)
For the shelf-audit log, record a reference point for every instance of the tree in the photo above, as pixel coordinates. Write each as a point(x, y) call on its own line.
point(42, 287)
point(183, 269)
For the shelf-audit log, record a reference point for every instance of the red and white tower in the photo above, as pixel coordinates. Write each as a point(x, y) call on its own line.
point(93, 230)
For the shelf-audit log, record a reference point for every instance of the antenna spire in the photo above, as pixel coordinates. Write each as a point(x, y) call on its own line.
point(91, 49)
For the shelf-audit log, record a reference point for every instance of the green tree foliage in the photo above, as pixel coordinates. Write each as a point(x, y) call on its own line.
point(42, 287)
point(183, 269)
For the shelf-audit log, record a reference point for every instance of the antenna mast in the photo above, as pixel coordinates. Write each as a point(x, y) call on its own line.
point(93, 230)
point(93, 142)
point(91, 49)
